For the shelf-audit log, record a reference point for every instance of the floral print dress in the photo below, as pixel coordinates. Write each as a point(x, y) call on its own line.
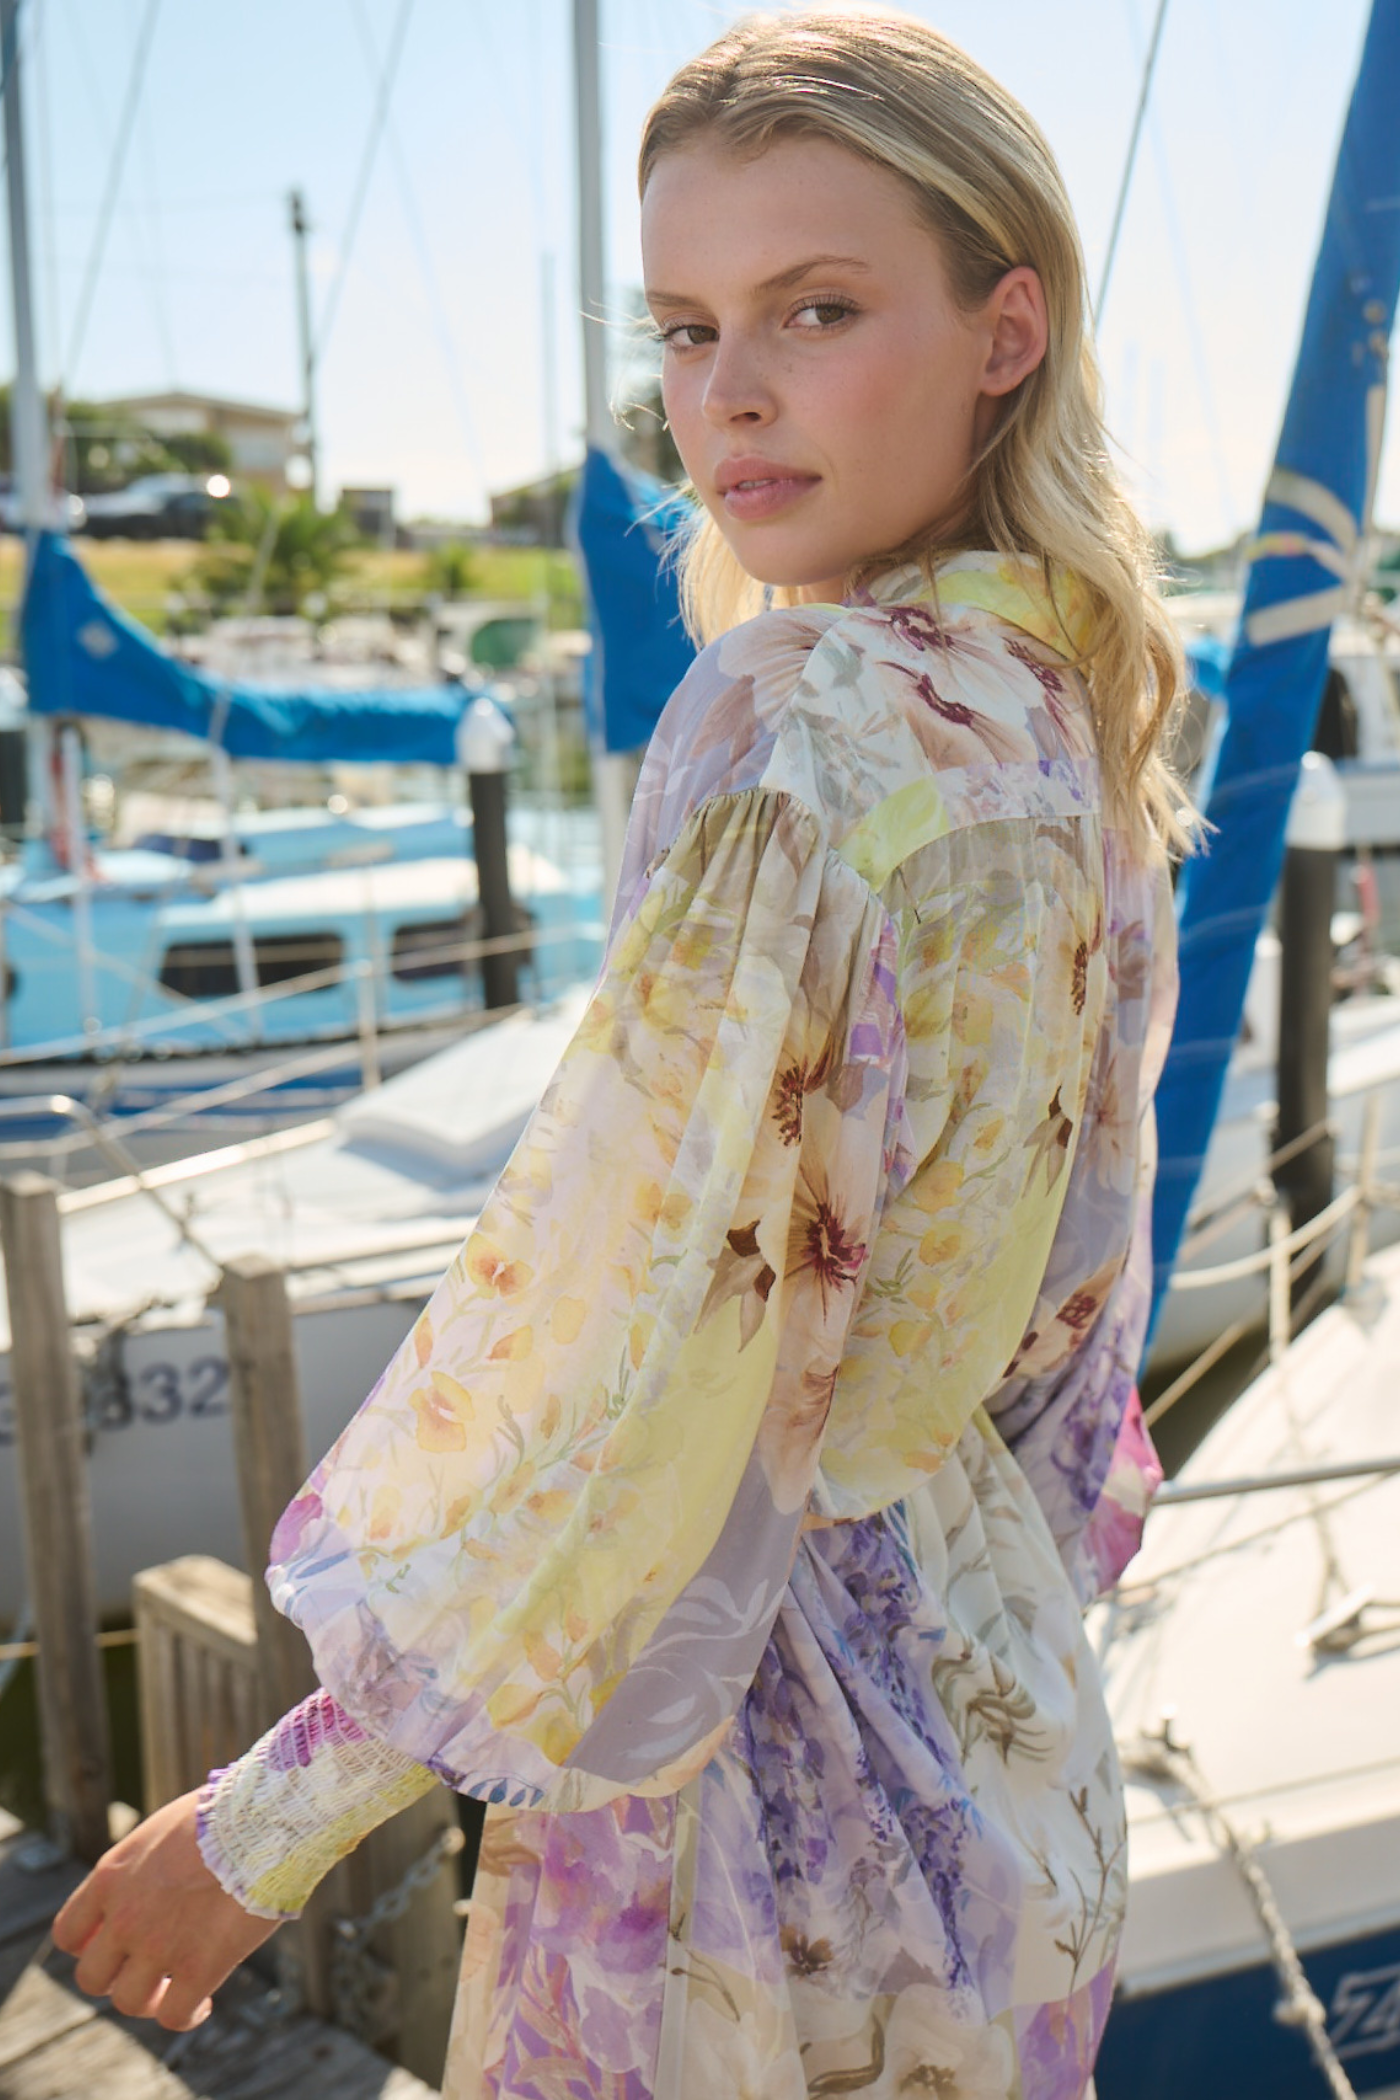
point(726, 1518)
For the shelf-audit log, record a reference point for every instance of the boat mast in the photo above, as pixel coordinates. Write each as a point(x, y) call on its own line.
point(612, 770)
point(29, 435)
point(1308, 568)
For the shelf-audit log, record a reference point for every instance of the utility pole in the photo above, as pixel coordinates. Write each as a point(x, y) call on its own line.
point(301, 227)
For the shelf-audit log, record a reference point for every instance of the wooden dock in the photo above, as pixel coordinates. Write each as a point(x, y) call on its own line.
point(56, 2043)
point(216, 1666)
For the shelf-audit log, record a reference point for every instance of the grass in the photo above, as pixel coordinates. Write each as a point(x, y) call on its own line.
point(141, 577)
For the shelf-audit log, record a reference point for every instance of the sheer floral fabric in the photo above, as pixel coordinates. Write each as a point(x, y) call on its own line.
point(726, 1518)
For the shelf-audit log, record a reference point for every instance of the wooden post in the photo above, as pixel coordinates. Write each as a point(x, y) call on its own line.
point(270, 1449)
point(424, 1945)
point(57, 1519)
point(197, 1672)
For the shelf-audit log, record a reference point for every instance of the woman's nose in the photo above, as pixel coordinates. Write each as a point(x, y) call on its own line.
point(737, 388)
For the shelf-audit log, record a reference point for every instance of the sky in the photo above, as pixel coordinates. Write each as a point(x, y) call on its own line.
point(447, 309)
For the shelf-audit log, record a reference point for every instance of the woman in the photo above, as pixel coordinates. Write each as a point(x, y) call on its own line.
point(726, 1518)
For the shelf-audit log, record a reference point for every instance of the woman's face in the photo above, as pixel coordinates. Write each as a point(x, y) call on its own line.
point(824, 390)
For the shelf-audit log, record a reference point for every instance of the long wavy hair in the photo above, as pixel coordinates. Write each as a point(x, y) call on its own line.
point(986, 183)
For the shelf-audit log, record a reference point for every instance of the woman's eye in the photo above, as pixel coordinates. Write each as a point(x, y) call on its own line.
point(687, 335)
point(825, 313)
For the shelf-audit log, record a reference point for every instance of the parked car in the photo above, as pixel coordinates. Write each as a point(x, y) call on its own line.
point(72, 510)
point(159, 507)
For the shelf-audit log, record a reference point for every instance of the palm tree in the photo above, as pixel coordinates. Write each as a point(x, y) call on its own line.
point(274, 557)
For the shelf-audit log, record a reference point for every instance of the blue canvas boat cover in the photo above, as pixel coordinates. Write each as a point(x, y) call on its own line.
point(1307, 562)
point(84, 657)
point(624, 524)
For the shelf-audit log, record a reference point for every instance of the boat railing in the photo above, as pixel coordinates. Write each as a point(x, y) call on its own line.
point(1173, 1493)
point(364, 976)
point(1290, 1253)
point(93, 1129)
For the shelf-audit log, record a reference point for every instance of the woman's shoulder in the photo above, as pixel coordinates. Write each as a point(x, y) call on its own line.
point(848, 708)
point(947, 710)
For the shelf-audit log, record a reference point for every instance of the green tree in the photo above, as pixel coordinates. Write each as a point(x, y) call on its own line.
point(273, 557)
point(450, 570)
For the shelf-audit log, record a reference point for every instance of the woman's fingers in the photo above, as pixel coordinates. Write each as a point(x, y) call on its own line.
point(151, 1927)
point(137, 1989)
point(183, 2007)
point(79, 1918)
point(101, 1961)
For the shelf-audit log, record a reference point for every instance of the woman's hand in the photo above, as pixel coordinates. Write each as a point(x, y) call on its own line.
point(152, 1928)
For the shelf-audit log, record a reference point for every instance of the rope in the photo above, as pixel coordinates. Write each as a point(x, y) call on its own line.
point(17, 1650)
point(12, 1653)
point(1316, 1228)
point(1160, 1758)
point(1207, 1224)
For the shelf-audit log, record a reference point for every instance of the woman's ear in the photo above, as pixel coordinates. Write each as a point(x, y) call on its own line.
point(1018, 330)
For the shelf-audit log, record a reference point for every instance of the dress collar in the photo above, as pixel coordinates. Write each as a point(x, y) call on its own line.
point(1011, 588)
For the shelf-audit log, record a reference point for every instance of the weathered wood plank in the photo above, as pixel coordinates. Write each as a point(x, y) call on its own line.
point(203, 1598)
point(96, 2058)
point(270, 1447)
point(38, 2012)
point(56, 1518)
point(55, 2043)
point(270, 1443)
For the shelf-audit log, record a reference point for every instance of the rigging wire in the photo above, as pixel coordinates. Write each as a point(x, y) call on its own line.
point(378, 119)
point(160, 278)
point(408, 198)
point(152, 281)
point(125, 127)
point(1126, 184)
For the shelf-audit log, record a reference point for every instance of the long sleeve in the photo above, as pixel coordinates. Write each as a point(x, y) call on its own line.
point(544, 1557)
point(1069, 1407)
point(274, 1823)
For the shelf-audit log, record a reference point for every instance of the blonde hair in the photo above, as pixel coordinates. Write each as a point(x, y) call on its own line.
point(893, 90)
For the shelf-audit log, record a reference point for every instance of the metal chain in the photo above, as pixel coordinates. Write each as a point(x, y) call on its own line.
point(1158, 1757)
point(359, 1982)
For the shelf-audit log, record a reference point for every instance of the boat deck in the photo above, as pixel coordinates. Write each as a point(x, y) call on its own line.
point(54, 2042)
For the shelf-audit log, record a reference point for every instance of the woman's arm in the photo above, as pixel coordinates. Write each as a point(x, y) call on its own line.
point(151, 1927)
point(169, 1913)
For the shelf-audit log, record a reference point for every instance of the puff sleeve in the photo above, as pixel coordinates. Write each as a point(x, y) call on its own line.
point(543, 1559)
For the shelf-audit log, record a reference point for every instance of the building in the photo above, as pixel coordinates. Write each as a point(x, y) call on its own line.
point(534, 513)
point(261, 440)
point(371, 512)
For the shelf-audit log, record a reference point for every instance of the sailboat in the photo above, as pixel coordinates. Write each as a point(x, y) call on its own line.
point(1251, 1653)
point(364, 1204)
point(137, 982)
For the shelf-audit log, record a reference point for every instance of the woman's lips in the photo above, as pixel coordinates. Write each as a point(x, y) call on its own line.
point(762, 496)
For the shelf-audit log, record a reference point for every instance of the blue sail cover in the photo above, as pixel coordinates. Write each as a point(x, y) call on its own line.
point(1301, 575)
point(84, 657)
point(624, 523)
point(1208, 661)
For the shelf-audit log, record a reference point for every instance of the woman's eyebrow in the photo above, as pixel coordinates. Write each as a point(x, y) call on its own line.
point(782, 282)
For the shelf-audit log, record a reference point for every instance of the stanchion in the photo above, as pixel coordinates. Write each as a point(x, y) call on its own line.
point(485, 741)
point(1315, 836)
